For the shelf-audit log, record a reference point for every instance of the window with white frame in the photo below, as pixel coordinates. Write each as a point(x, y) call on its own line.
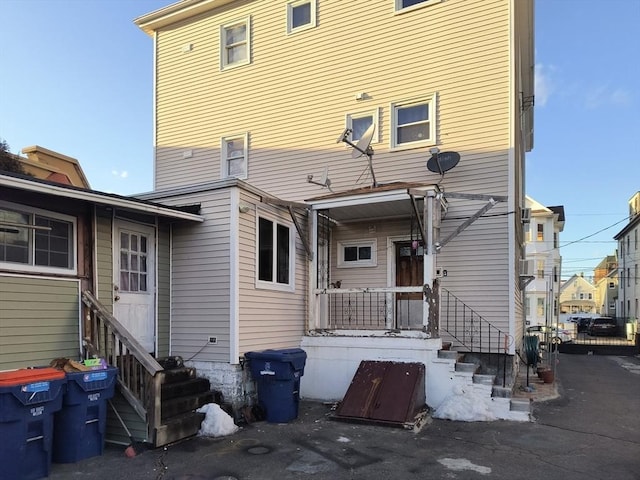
point(235, 44)
point(612, 285)
point(301, 15)
point(540, 236)
point(234, 154)
point(527, 306)
point(36, 240)
point(357, 253)
point(540, 308)
point(403, 5)
point(358, 123)
point(413, 123)
point(275, 254)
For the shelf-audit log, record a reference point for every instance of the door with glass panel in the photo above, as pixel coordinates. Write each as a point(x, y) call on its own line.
point(134, 281)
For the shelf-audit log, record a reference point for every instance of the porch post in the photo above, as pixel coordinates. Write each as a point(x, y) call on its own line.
point(431, 289)
point(313, 303)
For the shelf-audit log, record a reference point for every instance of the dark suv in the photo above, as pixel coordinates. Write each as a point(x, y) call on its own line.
point(603, 326)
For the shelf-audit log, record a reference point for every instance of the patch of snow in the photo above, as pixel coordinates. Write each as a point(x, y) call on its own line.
point(343, 440)
point(465, 405)
point(459, 464)
point(216, 423)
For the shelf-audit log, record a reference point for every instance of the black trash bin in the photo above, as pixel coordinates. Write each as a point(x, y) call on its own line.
point(28, 400)
point(80, 425)
point(278, 373)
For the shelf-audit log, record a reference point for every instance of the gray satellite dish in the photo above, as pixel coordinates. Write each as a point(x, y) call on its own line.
point(441, 162)
point(324, 181)
point(362, 147)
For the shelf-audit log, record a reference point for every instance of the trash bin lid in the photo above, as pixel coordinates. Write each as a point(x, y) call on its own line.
point(295, 356)
point(29, 375)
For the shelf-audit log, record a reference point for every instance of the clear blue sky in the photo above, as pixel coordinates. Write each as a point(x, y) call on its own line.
point(77, 79)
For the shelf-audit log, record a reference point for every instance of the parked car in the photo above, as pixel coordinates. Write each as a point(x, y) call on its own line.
point(603, 326)
point(582, 325)
point(550, 334)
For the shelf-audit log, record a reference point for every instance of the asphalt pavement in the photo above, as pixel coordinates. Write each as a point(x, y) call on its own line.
point(590, 431)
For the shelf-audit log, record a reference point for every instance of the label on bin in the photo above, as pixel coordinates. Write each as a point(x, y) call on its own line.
point(37, 411)
point(94, 397)
point(267, 369)
point(94, 377)
point(36, 387)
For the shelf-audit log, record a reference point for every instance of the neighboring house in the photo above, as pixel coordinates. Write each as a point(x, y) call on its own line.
point(544, 263)
point(606, 294)
point(46, 164)
point(61, 247)
point(629, 261)
point(577, 295)
point(249, 99)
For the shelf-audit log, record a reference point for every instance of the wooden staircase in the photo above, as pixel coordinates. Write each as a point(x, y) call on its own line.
point(163, 393)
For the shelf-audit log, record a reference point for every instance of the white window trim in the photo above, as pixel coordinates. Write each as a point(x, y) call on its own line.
point(375, 113)
point(224, 170)
point(399, 9)
point(312, 24)
point(273, 285)
point(223, 46)
point(23, 267)
point(370, 242)
point(432, 101)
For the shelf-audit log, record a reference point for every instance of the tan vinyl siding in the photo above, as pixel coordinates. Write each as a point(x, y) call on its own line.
point(39, 321)
point(163, 289)
point(200, 274)
point(306, 83)
point(269, 318)
point(104, 257)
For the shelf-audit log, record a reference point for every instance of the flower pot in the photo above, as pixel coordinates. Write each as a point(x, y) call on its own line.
point(547, 375)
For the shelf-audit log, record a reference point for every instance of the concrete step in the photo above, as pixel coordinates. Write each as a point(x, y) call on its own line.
point(500, 392)
point(520, 405)
point(483, 379)
point(450, 355)
point(467, 367)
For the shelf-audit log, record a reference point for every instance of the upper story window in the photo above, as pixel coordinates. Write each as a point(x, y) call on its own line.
point(359, 253)
point(556, 244)
point(235, 44)
point(635, 238)
point(360, 122)
point(403, 5)
point(612, 285)
point(36, 240)
point(301, 14)
point(413, 123)
point(540, 236)
point(540, 268)
point(234, 153)
point(275, 255)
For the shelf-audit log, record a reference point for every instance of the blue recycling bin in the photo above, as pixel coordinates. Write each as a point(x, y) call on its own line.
point(29, 399)
point(277, 373)
point(80, 425)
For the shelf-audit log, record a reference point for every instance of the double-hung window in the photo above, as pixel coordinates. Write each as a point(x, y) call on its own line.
point(403, 5)
point(413, 123)
point(234, 153)
point(235, 44)
point(301, 14)
point(275, 254)
point(36, 240)
point(358, 123)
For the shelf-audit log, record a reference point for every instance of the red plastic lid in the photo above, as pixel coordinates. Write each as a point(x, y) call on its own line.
point(29, 375)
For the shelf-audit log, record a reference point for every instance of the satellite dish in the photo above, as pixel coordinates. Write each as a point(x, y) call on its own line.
point(362, 147)
point(441, 162)
point(324, 180)
point(344, 135)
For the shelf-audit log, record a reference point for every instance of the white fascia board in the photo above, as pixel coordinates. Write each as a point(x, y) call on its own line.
point(360, 199)
point(97, 198)
point(175, 12)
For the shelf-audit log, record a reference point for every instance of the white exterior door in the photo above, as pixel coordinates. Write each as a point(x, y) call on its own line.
point(134, 280)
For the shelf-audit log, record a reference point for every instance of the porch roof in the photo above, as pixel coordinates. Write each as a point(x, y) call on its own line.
point(383, 201)
point(28, 184)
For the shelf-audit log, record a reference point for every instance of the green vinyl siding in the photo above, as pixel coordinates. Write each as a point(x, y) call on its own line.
point(39, 321)
point(104, 258)
point(163, 289)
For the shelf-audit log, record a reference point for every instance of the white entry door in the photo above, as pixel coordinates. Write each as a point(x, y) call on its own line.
point(134, 281)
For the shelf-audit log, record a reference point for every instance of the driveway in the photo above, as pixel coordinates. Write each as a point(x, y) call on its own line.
point(592, 431)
